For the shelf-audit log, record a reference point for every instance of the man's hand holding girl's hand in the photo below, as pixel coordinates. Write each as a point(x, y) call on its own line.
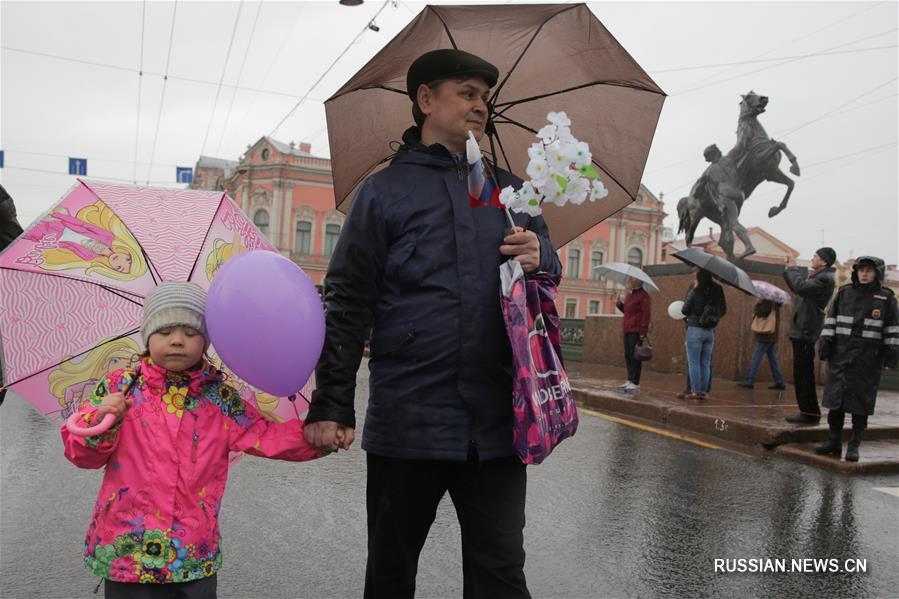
point(114, 403)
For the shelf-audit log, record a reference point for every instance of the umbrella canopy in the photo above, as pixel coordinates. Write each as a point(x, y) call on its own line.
point(551, 58)
point(72, 285)
point(766, 290)
point(724, 271)
point(620, 272)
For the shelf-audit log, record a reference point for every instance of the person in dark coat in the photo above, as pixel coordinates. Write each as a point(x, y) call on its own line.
point(9, 230)
point(860, 338)
point(637, 310)
point(704, 307)
point(813, 291)
point(420, 265)
point(764, 345)
point(9, 224)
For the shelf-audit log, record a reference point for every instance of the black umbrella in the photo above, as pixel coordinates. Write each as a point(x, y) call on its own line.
point(725, 271)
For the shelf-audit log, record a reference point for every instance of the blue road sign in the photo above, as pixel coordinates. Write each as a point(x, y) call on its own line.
point(184, 174)
point(77, 166)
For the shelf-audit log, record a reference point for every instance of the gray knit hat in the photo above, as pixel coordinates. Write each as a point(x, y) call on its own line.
point(174, 303)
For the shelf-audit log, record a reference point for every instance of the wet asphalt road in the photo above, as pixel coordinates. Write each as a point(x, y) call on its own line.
point(614, 512)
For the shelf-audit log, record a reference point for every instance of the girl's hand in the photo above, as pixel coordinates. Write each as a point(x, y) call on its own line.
point(114, 403)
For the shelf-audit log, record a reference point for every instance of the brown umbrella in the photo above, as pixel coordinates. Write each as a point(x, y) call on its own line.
point(551, 57)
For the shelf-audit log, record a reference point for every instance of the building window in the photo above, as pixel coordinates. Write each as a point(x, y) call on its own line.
point(571, 308)
point(261, 220)
point(574, 264)
point(302, 242)
point(332, 232)
point(265, 153)
point(595, 260)
point(594, 307)
point(635, 257)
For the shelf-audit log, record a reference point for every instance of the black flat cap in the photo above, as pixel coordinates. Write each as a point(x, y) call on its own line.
point(448, 64)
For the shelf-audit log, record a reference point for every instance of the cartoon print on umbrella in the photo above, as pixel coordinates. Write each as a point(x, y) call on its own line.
point(94, 240)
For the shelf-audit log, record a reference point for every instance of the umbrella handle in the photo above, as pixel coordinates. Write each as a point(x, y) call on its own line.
point(73, 423)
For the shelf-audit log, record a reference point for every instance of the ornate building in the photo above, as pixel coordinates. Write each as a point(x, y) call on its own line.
point(633, 236)
point(288, 193)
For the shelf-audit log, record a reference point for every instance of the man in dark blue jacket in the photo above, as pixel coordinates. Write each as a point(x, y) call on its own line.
point(419, 266)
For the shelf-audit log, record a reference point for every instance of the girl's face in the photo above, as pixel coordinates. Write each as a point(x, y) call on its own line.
point(120, 262)
point(866, 274)
point(176, 348)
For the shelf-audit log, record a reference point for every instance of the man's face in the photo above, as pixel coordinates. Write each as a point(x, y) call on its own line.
point(817, 262)
point(866, 274)
point(453, 109)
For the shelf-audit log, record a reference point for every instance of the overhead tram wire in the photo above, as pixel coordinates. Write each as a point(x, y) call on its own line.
point(239, 75)
point(222, 78)
point(152, 74)
point(328, 70)
point(271, 63)
point(834, 110)
point(140, 79)
point(794, 40)
point(165, 80)
point(803, 57)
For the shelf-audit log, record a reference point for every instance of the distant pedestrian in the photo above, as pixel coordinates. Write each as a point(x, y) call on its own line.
point(637, 309)
point(704, 307)
point(813, 291)
point(765, 326)
point(860, 338)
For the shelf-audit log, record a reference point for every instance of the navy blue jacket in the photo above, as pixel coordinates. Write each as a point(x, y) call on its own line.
point(420, 267)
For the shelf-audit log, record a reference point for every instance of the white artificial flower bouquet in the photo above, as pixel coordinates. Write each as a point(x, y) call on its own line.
point(560, 171)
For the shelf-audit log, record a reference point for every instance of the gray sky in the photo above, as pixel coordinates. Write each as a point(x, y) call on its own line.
point(837, 112)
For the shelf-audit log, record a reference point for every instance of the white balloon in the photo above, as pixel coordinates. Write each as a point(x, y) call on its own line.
point(674, 310)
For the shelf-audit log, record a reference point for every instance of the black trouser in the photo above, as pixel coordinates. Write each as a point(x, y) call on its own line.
point(402, 498)
point(634, 366)
point(804, 376)
point(836, 419)
point(204, 588)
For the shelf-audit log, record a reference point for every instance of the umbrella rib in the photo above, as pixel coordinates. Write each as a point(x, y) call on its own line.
point(57, 275)
point(601, 167)
point(205, 237)
point(445, 27)
point(507, 105)
point(72, 357)
point(526, 48)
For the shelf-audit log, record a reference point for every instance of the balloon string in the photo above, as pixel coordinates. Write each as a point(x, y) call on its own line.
point(293, 401)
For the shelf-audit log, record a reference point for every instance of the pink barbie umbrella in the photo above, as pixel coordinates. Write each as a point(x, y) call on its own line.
point(72, 285)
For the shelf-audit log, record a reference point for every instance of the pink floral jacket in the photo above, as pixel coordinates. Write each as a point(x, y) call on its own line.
point(156, 516)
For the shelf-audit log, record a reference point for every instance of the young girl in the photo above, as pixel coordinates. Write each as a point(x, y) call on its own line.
point(156, 516)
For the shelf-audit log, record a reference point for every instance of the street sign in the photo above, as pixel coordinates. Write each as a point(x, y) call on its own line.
point(184, 174)
point(77, 166)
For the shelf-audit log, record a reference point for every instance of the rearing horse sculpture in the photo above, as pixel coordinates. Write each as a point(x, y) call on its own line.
point(756, 155)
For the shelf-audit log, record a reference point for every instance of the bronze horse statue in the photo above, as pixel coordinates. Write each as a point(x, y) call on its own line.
point(756, 155)
point(720, 192)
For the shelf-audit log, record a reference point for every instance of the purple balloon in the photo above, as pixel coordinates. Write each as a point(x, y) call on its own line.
point(266, 321)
